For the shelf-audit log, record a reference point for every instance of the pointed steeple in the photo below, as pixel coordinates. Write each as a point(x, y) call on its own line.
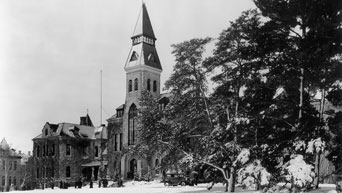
point(143, 52)
point(143, 26)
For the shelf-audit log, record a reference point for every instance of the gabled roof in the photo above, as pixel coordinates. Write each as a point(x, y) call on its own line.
point(143, 25)
point(121, 107)
point(4, 145)
point(78, 131)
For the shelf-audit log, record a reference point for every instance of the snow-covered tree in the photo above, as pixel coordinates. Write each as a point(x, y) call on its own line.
point(253, 175)
point(298, 172)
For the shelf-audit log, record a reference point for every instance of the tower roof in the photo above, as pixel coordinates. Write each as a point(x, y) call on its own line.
point(143, 52)
point(143, 25)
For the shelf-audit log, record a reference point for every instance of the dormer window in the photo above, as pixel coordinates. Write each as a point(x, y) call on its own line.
point(151, 57)
point(134, 56)
point(119, 113)
point(46, 132)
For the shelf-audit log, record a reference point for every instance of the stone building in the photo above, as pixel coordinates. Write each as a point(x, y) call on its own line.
point(10, 167)
point(67, 152)
point(143, 69)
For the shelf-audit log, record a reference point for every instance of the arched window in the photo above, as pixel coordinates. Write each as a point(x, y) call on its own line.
point(148, 84)
point(67, 172)
point(134, 56)
point(154, 86)
point(136, 84)
point(132, 115)
point(129, 85)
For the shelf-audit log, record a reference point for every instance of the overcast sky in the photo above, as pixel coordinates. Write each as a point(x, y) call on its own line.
point(52, 51)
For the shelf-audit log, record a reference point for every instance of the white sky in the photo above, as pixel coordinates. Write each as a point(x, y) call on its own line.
point(52, 51)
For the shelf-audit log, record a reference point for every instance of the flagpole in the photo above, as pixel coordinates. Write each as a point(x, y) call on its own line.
point(100, 97)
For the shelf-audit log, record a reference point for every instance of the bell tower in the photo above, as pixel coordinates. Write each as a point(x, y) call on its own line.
point(143, 66)
point(143, 71)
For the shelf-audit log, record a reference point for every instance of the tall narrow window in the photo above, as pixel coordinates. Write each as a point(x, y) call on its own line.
point(3, 181)
point(3, 164)
point(129, 85)
point(43, 172)
point(96, 151)
point(148, 84)
point(10, 180)
point(15, 181)
point(68, 149)
point(67, 172)
point(154, 86)
point(53, 149)
point(115, 142)
point(121, 137)
point(43, 150)
point(84, 151)
point(37, 173)
point(52, 172)
point(15, 165)
point(136, 84)
point(132, 124)
point(38, 151)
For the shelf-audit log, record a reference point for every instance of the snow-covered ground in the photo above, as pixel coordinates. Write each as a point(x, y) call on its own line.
point(157, 187)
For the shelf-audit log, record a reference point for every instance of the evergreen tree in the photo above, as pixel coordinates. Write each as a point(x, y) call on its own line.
point(311, 41)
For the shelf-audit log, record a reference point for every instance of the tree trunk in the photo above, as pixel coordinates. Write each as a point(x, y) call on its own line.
point(231, 187)
point(301, 91)
point(227, 186)
point(317, 165)
point(6, 179)
point(318, 154)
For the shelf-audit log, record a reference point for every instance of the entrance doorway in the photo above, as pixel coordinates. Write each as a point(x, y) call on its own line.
point(132, 168)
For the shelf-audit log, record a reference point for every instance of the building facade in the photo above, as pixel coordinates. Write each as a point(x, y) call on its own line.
point(10, 167)
point(68, 152)
point(143, 69)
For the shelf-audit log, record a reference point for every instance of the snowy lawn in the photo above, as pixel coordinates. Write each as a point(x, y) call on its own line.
point(157, 187)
